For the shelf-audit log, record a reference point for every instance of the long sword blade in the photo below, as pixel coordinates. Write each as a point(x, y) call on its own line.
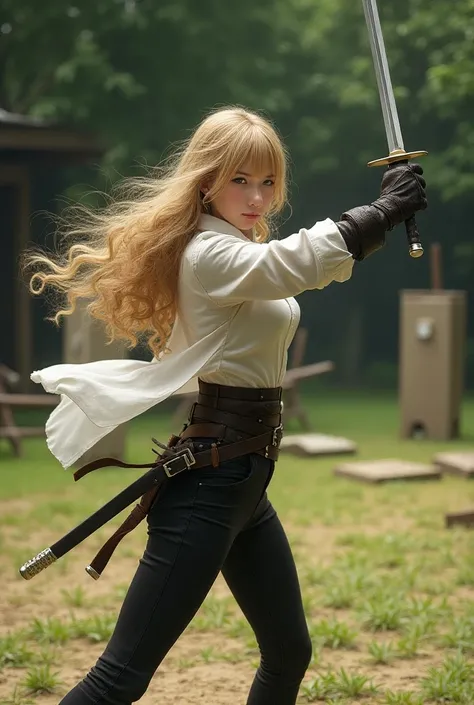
point(382, 72)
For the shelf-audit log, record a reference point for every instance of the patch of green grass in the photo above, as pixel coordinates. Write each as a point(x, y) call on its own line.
point(382, 612)
point(95, 629)
point(343, 582)
point(50, 631)
point(338, 684)
point(465, 576)
point(453, 682)
point(214, 614)
point(382, 652)
point(41, 679)
point(409, 645)
point(354, 685)
point(340, 597)
point(209, 654)
point(333, 634)
point(232, 656)
point(238, 628)
point(426, 607)
point(12, 520)
point(402, 698)
point(14, 653)
point(17, 697)
point(185, 662)
point(75, 597)
point(319, 688)
point(460, 635)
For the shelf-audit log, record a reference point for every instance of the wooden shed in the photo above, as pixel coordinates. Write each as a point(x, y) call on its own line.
point(36, 158)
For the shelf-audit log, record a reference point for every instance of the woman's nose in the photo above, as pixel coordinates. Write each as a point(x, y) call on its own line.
point(255, 198)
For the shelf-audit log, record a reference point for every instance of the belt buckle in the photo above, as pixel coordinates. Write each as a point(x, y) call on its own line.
point(277, 435)
point(184, 459)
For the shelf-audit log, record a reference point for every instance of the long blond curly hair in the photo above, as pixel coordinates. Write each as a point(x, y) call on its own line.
point(126, 256)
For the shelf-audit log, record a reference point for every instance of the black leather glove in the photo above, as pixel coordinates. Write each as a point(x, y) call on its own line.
point(402, 195)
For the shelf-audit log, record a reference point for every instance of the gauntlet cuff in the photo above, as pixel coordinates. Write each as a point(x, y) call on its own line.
point(363, 229)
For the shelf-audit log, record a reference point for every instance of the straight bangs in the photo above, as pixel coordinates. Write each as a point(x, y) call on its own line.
point(259, 150)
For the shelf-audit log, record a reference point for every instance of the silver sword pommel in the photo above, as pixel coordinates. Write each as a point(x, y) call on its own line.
point(35, 565)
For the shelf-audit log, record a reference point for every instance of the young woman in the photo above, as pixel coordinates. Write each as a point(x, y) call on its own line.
point(185, 263)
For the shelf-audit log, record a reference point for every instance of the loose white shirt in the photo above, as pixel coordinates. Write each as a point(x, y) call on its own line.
point(236, 318)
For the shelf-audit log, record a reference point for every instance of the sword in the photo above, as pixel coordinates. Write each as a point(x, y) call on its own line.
point(390, 114)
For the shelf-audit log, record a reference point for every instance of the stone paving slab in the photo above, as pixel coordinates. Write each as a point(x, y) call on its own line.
point(465, 518)
point(310, 444)
point(388, 469)
point(456, 462)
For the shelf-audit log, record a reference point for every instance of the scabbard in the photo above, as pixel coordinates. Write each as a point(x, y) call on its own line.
point(150, 480)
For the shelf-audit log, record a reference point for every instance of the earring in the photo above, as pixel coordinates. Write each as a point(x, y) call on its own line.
point(205, 204)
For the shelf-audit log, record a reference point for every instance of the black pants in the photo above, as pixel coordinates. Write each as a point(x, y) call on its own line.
point(205, 521)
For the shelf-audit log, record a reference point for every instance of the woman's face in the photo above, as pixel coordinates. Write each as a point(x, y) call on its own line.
point(244, 200)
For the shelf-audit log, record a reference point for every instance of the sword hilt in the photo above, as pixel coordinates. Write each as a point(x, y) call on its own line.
point(415, 248)
point(35, 565)
point(399, 156)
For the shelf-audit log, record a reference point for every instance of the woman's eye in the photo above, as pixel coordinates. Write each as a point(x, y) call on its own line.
point(241, 180)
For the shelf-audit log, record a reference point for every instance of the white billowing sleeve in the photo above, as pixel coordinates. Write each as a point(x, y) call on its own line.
point(98, 396)
point(232, 270)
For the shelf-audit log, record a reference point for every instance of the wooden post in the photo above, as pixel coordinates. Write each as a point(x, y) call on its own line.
point(85, 341)
point(292, 402)
point(436, 266)
point(18, 177)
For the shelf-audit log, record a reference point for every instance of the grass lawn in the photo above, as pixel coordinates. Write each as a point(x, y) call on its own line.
point(388, 590)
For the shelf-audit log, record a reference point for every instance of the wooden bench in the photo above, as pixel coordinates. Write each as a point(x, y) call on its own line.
point(8, 426)
point(293, 407)
point(293, 376)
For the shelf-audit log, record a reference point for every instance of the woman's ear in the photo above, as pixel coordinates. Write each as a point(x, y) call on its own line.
point(206, 185)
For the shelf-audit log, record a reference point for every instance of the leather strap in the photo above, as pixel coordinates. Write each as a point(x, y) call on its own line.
point(254, 409)
point(225, 434)
point(246, 393)
point(138, 513)
point(204, 458)
point(210, 430)
point(204, 430)
point(235, 421)
point(105, 463)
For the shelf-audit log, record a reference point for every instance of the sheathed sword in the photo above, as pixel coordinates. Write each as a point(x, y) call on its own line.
point(397, 153)
point(143, 487)
point(175, 459)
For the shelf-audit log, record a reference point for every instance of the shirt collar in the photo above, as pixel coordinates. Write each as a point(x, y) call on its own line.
point(210, 222)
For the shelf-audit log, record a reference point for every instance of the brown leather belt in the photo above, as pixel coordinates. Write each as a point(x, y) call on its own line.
point(236, 417)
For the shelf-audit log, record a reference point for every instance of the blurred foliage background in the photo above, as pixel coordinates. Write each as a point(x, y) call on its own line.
point(141, 73)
